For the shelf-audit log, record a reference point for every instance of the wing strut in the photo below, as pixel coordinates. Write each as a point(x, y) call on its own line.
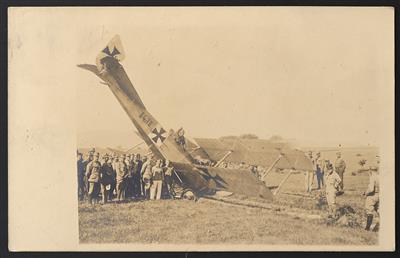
point(272, 166)
point(223, 158)
point(283, 181)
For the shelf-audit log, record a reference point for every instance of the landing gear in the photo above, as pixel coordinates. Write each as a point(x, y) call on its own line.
point(189, 195)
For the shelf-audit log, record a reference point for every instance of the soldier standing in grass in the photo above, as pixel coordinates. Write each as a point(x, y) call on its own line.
point(147, 176)
point(113, 178)
point(309, 175)
point(144, 161)
point(129, 177)
point(106, 179)
point(324, 168)
point(121, 174)
point(114, 166)
point(158, 178)
point(332, 184)
point(115, 161)
point(85, 179)
point(93, 176)
point(137, 167)
point(168, 171)
point(81, 177)
point(340, 167)
point(372, 195)
point(319, 170)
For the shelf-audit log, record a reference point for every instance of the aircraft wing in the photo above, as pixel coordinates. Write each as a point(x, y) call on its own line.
point(210, 179)
point(256, 152)
point(239, 181)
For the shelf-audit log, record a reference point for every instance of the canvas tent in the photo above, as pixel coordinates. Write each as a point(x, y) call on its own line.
point(255, 152)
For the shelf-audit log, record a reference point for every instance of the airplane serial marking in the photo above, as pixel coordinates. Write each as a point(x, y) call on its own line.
point(146, 119)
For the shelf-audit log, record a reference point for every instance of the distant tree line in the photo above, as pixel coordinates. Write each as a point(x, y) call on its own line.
point(273, 138)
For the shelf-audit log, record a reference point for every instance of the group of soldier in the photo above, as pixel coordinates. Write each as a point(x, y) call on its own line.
point(132, 177)
point(122, 177)
point(330, 177)
point(323, 172)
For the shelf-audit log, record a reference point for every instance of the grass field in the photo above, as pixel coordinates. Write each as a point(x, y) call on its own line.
point(177, 221)
point(207, 222)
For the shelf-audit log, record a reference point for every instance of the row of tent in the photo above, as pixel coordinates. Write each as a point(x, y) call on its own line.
point(257, 152)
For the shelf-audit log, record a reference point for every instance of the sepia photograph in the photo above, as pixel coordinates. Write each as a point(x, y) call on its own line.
point(202, 128)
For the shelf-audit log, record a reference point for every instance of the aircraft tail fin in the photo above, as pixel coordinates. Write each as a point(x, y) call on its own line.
point(113, 49)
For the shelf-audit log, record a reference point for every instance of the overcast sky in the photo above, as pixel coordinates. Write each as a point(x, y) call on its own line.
point(322, 76)
point(312, 74)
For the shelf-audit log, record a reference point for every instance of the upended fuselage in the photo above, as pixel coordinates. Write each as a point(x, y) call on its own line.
point(163, 145)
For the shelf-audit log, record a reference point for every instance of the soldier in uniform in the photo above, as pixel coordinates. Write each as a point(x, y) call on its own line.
point(340, 167)
point(180, 139)
point(319, 170)
point(115, 165)
point(254, 171)
point(85, 179)
point(157, 181)
point(129, 177)
point(131, 171)
point(144, 160)
point(104, 159)
point(93, 176)
point(106, 179)
point(121, 174)
point(168, 171)
point(324, 168)
point(137, 168)
point(372, 195)
point(113, 178)
point(92, 151)
point(147, 176)
point(115, 161)
point(309, 175)
point(81, 177)
point(332, 184)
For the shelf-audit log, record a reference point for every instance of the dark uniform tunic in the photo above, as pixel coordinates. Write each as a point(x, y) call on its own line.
point(168, 180)
point(129, 178)
point(81, 179)
point(107, 180)
point(137, 167)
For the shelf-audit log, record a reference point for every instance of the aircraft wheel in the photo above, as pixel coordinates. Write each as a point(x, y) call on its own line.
point(189, 195)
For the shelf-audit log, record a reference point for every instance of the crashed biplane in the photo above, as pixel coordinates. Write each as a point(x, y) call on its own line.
point(166, 144)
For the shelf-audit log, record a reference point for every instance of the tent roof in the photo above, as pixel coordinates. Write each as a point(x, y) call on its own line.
point(255, 152)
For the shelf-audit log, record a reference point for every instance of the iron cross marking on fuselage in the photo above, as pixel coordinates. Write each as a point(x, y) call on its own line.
point(158, 137)
point(113, 53)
